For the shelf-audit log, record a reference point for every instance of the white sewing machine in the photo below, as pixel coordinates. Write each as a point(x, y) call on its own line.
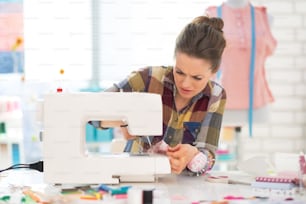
point(64, 116)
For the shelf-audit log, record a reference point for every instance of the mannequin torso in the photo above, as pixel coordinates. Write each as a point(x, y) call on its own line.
point(236, 3)
point(236, 15)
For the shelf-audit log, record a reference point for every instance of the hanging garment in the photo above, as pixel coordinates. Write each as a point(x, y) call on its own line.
point(236, 59)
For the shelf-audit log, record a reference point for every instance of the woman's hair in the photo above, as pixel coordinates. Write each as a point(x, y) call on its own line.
point(203, 38)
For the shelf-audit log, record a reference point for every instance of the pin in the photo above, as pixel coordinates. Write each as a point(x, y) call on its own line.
point(60, 89)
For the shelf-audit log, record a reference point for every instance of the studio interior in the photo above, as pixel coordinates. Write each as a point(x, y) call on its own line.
point(138, 101)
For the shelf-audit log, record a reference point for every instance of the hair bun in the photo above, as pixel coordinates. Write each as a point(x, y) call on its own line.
point(216, 23)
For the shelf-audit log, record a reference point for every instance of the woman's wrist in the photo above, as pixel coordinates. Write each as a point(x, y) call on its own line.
point(198, 162)
point(201, 163)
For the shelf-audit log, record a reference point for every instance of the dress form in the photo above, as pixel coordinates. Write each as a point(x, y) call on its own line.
point(243, 3)
point(236, 117)
point(236, 3)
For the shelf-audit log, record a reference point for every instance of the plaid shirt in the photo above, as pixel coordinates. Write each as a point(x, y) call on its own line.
point(197, 124)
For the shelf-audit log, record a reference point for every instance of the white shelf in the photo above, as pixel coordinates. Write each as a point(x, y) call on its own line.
point(7, 116)
point(10, 140)
point(11, 137)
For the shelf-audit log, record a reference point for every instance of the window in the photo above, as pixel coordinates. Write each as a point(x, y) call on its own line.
point(127, 34)
point(57, 36)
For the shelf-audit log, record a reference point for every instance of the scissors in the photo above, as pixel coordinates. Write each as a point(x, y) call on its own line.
point(224, 179)
point(217, 179)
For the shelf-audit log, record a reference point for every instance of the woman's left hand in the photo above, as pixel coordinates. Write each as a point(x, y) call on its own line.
point(180, 155)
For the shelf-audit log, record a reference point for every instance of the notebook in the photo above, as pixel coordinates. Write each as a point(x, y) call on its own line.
point(274, 183)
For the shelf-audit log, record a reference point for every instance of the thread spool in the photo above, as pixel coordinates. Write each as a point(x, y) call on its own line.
point(147, 197)
point(134, 196)
point(140, 196)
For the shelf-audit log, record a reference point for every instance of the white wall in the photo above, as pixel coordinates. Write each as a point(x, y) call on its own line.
point(286, 71)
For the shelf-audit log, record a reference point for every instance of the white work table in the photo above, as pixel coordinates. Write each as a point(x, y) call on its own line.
point(169, 189)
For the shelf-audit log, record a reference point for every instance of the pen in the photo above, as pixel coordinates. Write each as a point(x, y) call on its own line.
point(32, 195)
point(121, 190)
point(35, 196)
point(71, 191)
point(103, 187)
point(114, 191)
point(89, 197)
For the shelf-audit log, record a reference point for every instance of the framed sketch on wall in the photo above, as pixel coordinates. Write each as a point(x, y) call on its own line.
point(11, 36)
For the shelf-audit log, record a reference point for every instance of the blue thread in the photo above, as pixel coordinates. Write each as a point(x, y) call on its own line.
point(252, 66)
point(219, 14)
point(252, 69)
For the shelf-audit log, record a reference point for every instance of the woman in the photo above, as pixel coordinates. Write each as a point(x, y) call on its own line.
point(193, 105)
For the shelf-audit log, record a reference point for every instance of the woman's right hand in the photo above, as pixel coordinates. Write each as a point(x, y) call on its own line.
point(118, 123)
point(126, 134)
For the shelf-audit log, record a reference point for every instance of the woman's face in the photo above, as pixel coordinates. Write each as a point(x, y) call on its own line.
point(191, 75)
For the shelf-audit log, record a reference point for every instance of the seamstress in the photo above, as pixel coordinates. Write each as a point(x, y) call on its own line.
point(193, 105)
